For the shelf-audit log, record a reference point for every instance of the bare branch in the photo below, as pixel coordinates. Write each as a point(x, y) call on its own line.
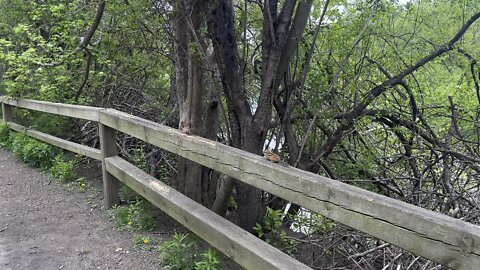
point(357, 111)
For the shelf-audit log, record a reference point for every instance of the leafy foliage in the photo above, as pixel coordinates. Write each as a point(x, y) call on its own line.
point(273, 232)
point(136, 216)
point(62, 169)
point(33, 152)
point(412, 142)
point(145, 243)
point(210, 260)
point(127, 194)
point(137, 158)
point(4, 135)
point(178, 253)
point(82, 184)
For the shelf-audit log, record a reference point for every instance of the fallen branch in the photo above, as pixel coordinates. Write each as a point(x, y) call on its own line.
point(368, 251)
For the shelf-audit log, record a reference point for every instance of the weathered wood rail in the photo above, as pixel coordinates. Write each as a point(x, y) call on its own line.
point(449, 241)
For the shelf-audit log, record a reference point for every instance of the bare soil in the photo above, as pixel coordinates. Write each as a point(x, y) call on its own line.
point(45, 224)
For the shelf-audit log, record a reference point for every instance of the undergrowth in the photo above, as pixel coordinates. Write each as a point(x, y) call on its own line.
point(179, 253)
point(272, 232)
point(63, 169)
point(31, 151)
point(4, 135)
point(135, 216)
point(39, 154)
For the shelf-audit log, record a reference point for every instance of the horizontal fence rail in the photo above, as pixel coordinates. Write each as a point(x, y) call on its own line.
point(246, 249)
point(74, 111)
point(64, 144)
point(449, 241)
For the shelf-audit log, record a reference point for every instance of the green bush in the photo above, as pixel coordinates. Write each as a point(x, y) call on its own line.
point(210, 261)
point(178, 253)
point(137, 158)
point(137, 216)
point(62, 169)
point(272, 232)
point(38, 154)
point(4, 135)
point(54, 125)
point(31, 151)
point(82, 184)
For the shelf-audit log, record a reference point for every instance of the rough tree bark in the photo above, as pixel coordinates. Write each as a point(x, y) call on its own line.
point(249, 129)
point(197, 107)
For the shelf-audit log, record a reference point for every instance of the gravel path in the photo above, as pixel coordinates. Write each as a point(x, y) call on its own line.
point(46, 225)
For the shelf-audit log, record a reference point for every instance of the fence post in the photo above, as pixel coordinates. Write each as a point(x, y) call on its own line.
point(7, 113)
point(108, 147)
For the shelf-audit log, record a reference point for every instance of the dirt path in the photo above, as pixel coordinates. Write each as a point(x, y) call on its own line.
point(46, 225)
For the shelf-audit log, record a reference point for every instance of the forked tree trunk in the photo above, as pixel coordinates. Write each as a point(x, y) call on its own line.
point(249, 130)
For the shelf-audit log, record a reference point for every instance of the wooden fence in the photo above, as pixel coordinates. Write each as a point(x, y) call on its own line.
point(449, 241)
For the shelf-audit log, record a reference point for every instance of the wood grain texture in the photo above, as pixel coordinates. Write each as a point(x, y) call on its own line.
point(64, 144)
point(108, 146)
point(7, 113)
point(246, 249)
point(451, 242)
point(75, 111)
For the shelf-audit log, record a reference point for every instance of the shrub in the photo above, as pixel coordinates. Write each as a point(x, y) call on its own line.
point(31, 151)
point(4, 135)
point(127, 194)
point(81, 184)
point(62, 169)
point(54, 125)
point(137, 216)
point(178, 253)
point(210, 261)
point(272, 232)
point(137, 158)
point(145, 243)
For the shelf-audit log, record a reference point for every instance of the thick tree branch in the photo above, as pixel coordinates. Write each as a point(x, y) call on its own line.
point(271, 54)
point(294, 36)
point(84, 41)
point(222, 32)
point(88, 62)
point(91, 30)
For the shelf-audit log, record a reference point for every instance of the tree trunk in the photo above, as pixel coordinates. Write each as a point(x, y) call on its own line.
point(196, 117)
point(249, 130)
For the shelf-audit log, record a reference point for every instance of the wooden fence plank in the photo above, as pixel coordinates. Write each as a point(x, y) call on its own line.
point(75, 111)
point(443, 239)
point(452, 242)
point(246, 249)
point(108, 146)
point(7, 113)
point(67, 145)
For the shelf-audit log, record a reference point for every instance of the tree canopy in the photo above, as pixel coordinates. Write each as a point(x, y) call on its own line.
point(382, 94)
